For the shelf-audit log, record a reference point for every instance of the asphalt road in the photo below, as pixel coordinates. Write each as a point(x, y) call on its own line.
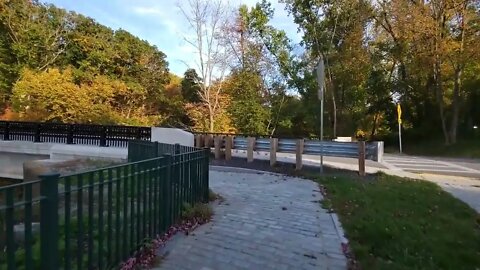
point(414, 164)
point(433, 165)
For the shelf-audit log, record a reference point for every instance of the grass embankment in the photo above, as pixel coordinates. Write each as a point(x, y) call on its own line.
point(462, 149)
point(396, 223)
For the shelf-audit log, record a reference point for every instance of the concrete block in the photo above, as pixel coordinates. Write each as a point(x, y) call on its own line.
point(68, 152)
point(172, 136)
point(12, 163)
point(343, 139)
point(23, 147)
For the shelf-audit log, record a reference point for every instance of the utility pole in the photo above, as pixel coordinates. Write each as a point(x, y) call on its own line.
point(320, 70)
point(399, 113)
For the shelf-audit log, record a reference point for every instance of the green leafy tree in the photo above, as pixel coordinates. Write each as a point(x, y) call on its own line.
point(248, 111)
point(191, 86)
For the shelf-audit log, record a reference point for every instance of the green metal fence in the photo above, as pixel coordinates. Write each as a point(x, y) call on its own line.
point(97, 219)
point(138, 150)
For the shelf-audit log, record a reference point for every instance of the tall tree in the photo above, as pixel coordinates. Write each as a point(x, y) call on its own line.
point(206, 19)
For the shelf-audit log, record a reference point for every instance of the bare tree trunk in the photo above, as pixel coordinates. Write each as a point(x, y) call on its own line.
point(439, 97)
point(211, 124)
point(374, 127)
point(334, 103)
point(455, 106)
point(458, 82)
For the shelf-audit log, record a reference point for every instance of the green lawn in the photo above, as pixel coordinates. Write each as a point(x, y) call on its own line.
point(396, 223)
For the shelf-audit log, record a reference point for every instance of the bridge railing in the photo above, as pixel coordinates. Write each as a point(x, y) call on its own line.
point(99, 135)
point(99, 218)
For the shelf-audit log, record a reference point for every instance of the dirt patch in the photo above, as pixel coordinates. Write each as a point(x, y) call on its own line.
point(283, 168)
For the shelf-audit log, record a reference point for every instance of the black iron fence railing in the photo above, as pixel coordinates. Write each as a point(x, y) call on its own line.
point(99, 135)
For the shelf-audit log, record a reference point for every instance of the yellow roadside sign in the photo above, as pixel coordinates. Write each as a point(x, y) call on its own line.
point(399, 112)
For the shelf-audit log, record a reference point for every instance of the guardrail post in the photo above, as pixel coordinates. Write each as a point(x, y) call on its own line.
point(37, 133)
point(6, 134)
point(299, 153)
point(379, 150)
point(199, 140)
point(273, 151)
point(361, 158)
point(217, 141)
point(208, 140)
point(49, 228)
point(70, 134)
point(250, 148)
point(103, 137)
point(228, 147)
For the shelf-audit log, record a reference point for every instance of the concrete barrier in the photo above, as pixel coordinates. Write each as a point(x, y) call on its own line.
point(172, 136)
point(67, 152)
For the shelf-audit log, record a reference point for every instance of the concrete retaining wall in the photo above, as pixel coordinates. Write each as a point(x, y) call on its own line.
point(14, 154)
point(12, 164)
point(172, 136)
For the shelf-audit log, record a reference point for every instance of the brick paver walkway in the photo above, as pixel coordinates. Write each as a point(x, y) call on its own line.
point(267, 221)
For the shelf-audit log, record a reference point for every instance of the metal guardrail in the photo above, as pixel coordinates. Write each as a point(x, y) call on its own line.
point(311, 147)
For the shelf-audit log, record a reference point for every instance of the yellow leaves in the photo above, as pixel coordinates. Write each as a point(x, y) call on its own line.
point(199, 114)
point(53, 95)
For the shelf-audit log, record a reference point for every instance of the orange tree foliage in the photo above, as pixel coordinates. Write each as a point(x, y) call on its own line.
point(198, 115)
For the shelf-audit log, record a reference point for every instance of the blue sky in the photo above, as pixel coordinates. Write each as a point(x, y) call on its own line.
point(160, 22)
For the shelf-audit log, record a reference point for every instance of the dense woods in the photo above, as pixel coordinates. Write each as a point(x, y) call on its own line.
point(60, 66)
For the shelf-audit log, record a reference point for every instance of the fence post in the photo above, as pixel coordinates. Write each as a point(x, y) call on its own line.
point(157, 150)
point(228, 147)
point(6, 134)
point(176, 148)
point(250, 148)
point(70, 134)
point(299, 153)
point(49, 228)
point(37, 133)
point(206, 187)
point(361, 158)
point(103, 137)
point(138, 133)
point(217, 141)
point(273, 151)
point(169, 189)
